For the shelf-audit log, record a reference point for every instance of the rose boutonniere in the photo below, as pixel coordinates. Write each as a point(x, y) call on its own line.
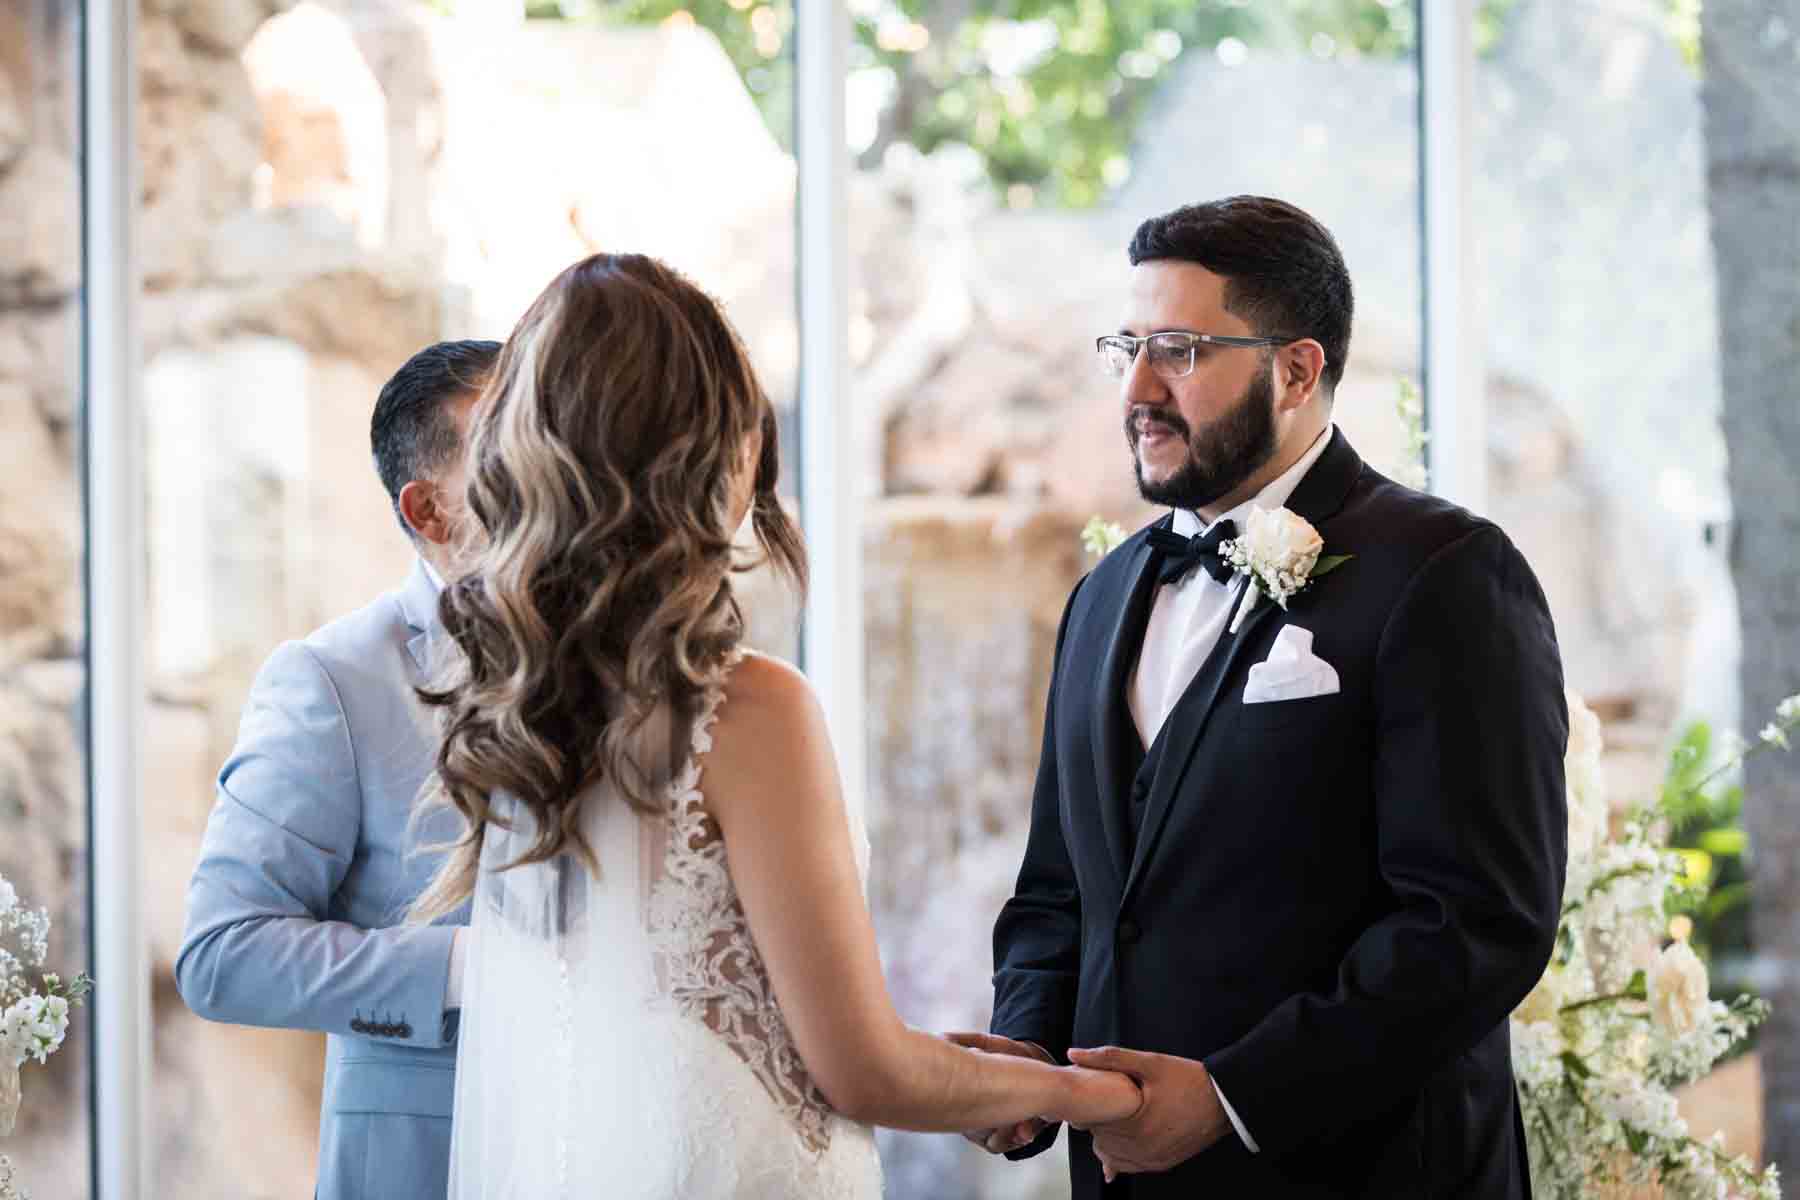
point(1280, 553)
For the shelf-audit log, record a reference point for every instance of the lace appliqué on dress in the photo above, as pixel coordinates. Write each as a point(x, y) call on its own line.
point(705, 954)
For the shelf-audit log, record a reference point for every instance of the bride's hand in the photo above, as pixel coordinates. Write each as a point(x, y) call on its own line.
point(1099, 1097)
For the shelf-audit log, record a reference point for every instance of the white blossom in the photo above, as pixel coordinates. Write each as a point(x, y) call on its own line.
point(1637, 1105)
point(1774, 735)
point(1279, 541)
point(34, 1019)
point(1678, 989)
point(1597, 1049)
point(10, 1188)
point(1788, 710)
point(1278, 551)
point(1537, 1054)
point(1586, 783)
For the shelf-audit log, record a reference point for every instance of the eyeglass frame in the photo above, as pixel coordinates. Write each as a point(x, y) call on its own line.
point(1195, 340)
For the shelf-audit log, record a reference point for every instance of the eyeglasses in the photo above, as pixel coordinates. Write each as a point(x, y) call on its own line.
point(1172, 352)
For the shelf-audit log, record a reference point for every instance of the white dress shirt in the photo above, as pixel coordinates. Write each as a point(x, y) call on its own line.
point(1187, 619)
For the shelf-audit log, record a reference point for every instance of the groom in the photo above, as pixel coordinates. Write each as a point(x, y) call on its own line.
point(295, 910)
point(1291, 874)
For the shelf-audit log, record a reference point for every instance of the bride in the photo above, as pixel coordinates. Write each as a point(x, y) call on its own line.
point(672, 986)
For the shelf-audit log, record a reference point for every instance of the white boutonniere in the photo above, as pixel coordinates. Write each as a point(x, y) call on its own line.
point(1279, 552)
point(1100, 537)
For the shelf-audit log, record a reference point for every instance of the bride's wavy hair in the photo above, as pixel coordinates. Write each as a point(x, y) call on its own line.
point(607, 457)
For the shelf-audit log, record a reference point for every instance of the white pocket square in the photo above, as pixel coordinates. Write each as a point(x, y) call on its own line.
point(1291, 672)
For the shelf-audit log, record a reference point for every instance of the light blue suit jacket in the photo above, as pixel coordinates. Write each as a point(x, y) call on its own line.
point(295, 911)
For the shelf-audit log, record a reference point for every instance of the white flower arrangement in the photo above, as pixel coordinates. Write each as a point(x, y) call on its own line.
point(34, 1018)
point(1620, 1019)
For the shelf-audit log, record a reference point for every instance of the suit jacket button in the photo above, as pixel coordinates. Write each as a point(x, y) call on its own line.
point(1129, 931)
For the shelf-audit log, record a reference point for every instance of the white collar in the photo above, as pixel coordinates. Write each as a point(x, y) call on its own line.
point(437, 581)
point(1187, 522)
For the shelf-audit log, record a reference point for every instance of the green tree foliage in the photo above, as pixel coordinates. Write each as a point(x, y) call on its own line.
point(1705, 814)
point(1048, 93)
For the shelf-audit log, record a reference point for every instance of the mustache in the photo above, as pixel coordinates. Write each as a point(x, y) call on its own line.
point(1146, 415)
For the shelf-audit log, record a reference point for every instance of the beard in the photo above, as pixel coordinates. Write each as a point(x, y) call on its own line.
point(1221, 458)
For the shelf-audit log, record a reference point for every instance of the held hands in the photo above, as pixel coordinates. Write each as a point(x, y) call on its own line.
point(1090, 1096)
point(1008, 1138)
point(1181, 1114)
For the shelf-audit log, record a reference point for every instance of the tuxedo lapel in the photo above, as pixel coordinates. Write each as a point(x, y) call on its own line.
point(1117, 747)
point(1320, 494)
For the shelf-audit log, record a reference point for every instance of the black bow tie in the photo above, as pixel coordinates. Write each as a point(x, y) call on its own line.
point(1182, 554)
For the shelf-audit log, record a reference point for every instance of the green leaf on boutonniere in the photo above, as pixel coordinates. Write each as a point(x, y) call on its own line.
point(1329, 563)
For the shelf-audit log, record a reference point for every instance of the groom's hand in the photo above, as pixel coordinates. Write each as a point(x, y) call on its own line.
point(1181, 1114)
point(1010, 1137)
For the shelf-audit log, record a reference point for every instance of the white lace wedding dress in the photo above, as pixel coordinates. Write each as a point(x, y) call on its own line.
point(619, 1035)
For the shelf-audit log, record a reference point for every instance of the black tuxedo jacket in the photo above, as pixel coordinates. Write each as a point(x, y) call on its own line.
point(1333, 902)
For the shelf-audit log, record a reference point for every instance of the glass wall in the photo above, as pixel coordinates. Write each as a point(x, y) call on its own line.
point(329, 189)
point(377, 177)
point(1600, 304)
point(43, 809)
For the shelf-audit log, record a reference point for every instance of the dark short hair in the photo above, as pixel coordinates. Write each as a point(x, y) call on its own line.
point(411, 434)
point(1284, 274)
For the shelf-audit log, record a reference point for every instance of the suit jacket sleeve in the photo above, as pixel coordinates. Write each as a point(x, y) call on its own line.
point(260, 947)
point(1472, 841)
point(1037, 938)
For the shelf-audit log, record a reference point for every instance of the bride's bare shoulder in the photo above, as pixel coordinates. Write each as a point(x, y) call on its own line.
point(769, 713)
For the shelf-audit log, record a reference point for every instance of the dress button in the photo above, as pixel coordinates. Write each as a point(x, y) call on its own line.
point(357, 1025)
point(403, 1030)
point(1129, 931)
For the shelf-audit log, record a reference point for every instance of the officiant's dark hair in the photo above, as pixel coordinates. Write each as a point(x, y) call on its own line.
point(411, 434)
point(1284, 273)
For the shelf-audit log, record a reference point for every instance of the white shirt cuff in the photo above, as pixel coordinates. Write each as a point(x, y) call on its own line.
point(459, 954)
point(1231, 1113)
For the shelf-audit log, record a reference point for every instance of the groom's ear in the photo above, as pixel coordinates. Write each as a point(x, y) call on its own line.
point(1299, 372)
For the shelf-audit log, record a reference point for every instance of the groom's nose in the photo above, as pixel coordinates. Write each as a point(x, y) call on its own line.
point(1142, 387)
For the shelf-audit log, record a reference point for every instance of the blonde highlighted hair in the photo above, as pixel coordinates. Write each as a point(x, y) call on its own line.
point(608, 460)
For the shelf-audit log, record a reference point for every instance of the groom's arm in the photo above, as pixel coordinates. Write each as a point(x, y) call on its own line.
point(1471, 838)
point(1037, 937)
point(259, 948)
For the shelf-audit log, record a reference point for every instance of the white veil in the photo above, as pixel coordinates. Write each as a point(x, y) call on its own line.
point(556, 995)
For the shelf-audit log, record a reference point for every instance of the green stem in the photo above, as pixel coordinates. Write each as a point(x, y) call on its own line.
point(1750, 749)
point(1599, 885)
point(1592, 1001)
point(1725, 1161)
